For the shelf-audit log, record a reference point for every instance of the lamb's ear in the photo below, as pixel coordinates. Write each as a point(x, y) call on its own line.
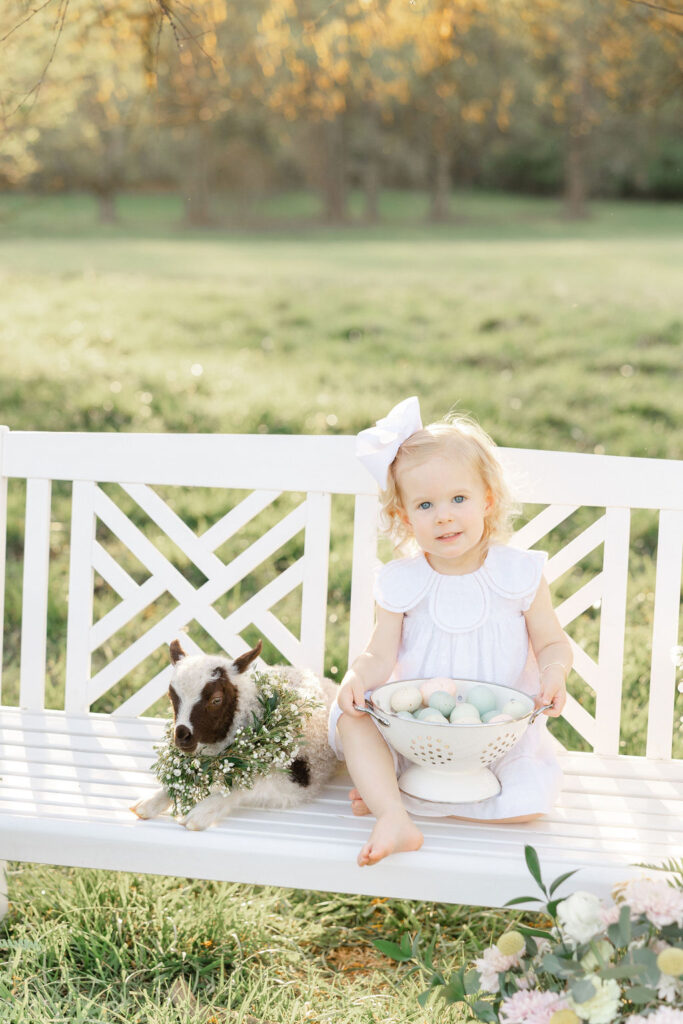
point(242, 663)
point(176, 652)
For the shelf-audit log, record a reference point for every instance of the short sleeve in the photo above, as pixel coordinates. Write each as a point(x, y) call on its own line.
point(402, 584)
point(515, 574)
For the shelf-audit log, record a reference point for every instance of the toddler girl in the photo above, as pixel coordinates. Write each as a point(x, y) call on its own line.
point(463, 605)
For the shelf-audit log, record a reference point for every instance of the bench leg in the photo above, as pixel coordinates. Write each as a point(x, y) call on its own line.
point(3, 888)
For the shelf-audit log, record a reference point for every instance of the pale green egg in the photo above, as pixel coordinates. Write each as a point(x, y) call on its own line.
point(405, 714)
point(443, 702)
point(483, 699)
point(432, 715)
point(488, 715)
point(464, 714)
point(516, 708)
point(407, 698)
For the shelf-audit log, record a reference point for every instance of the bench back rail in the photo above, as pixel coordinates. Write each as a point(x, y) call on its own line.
point(315, 468)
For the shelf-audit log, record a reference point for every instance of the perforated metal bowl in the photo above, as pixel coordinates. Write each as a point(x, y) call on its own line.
point(450, 762)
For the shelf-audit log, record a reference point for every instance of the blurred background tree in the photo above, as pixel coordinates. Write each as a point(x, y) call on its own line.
point(208, 97)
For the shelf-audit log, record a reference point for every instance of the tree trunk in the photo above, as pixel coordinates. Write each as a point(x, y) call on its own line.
point(441, 187)
point(578, 126)
point(334, 173)
point(575, 190)
point(196, 190)
point(106, 202)
point(370, 172)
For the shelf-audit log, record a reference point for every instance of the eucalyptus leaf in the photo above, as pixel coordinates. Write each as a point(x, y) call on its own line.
point(640, 994)
point(583, 989)
point(523, 899)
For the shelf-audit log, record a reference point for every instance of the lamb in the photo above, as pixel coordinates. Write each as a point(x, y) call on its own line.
point(213, 699)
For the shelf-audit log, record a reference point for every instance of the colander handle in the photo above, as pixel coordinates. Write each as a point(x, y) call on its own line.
point(539, 711)
point(373, 714)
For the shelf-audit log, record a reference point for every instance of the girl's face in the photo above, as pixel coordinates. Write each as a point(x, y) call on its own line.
point(445, 504)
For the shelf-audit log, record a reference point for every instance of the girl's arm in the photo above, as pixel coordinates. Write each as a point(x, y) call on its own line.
point(552, 650)
point(374, 666)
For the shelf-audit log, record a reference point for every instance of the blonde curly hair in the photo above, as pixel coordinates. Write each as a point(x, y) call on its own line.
point(456, 436)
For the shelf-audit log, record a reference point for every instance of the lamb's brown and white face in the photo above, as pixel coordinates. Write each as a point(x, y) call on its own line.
point(205, 696)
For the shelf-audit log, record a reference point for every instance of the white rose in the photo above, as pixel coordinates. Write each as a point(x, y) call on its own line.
point(590, 962)
point(580, 916)
point(602, 1007)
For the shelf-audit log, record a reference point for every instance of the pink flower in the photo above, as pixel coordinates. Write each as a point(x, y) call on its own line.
point(660, 902)
point(493, 963)
point(531, 1007)
point(610, 915)
point(663, 1015)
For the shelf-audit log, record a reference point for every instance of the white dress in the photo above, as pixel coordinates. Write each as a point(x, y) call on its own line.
point(473, 627)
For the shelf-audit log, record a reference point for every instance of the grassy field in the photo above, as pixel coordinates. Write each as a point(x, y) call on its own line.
point(554, 334)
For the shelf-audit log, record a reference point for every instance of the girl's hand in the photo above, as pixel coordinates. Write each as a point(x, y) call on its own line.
point(351, 691)
point(553, 690)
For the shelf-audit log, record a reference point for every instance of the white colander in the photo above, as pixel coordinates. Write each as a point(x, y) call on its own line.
point(450, 762)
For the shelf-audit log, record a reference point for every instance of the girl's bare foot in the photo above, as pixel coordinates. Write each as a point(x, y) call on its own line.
point(393, 833)
point(358, 804)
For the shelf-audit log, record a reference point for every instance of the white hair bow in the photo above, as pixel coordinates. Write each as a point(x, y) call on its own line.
point(377, 446)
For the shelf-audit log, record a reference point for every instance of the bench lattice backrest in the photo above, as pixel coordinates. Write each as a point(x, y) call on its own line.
point(314, 469)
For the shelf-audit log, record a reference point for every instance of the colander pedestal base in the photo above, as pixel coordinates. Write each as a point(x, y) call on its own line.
point(451, 786)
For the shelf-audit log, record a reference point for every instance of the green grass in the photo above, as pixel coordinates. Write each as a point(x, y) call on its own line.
point(554, 334)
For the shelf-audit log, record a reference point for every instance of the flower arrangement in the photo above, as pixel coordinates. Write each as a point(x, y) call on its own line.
point(617, 964)
point(268, 744)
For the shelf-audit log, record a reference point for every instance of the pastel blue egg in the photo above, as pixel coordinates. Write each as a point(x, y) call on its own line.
point(488, 715)
point(483, 699)
point(443, 702)
point(405, 714)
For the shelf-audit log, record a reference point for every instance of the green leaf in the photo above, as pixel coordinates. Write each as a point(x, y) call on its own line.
point(538, 932)
point(625, 925)
point(472, 982)
point(423, 997)
point(455, 988)
point(640, 994)
point(406, 945)
point(534, 867)
point(560, 879)
point(485, 1011)
point(392, 949)
point(582, 989)
point(429, 952)
point(523, 899)
point(621, 971)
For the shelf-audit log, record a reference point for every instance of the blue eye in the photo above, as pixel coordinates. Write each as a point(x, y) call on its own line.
point(425, 505)
point(459, 498)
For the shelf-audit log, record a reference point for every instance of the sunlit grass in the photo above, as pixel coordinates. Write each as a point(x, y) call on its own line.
point(554, 334)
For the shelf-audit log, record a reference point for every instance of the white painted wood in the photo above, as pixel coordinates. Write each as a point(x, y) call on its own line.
point(576, 549)
point(112, 573)
point(314, 595)
point(236, 461)
point(237, 517)
point(34, 595)
point(80, 596)
point(660, 724)
point(540, 525)
point(362, 612)
point(68, 779)
point(3, 545)
point(612, 624)
point(304, 463)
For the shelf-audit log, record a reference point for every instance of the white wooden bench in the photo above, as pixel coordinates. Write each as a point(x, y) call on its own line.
point(68, 775)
